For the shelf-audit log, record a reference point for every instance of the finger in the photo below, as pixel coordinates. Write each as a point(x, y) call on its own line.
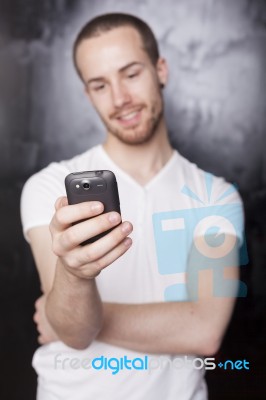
point(90, 271)
point(37, 303)
point(76, 234)
point(117, 252)
point(40, 300)
point(65, 216)
point(94, 251)
point(61, 202)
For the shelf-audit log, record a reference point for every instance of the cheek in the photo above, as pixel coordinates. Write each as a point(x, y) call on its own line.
point(153, 90)
point(156, 98)
point(143, 88)
point(144, 94)
point(101, 104)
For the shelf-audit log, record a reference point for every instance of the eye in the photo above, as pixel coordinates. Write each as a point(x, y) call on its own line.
point(132, 75)
point(98, 88)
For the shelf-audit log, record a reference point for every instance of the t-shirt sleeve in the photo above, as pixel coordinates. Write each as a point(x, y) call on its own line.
point(39, 195)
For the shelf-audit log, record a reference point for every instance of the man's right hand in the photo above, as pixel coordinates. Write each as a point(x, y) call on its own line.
point(87, 261)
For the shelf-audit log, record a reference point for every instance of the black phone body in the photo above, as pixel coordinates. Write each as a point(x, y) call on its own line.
point(99, 185)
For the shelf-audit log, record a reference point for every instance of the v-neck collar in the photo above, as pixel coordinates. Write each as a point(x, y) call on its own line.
point(129, 178)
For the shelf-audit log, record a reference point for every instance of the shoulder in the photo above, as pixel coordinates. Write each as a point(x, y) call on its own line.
point(205, 186)
point(43, 188)
point(54, 174)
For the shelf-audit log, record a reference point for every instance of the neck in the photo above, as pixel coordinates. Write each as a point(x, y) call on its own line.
point(142, 162)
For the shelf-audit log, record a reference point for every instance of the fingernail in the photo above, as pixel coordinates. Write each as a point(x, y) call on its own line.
point(126, 227)
point(127, 242)
point(114, 217)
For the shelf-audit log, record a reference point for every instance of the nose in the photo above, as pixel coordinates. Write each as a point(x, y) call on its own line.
point(120, 95)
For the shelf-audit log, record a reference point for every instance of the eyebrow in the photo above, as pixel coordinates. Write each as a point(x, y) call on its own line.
point(132, 64)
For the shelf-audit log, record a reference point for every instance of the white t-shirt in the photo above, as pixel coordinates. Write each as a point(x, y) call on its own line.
point(172, 203)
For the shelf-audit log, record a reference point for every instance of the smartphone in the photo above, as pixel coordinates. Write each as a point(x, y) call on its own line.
point(99, 185)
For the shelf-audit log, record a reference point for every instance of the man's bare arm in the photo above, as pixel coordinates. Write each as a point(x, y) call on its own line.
point(191, 327)
point(167, 328)
point(68, 270)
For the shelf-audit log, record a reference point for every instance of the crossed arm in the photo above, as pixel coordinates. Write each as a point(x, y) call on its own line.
point(71, 309)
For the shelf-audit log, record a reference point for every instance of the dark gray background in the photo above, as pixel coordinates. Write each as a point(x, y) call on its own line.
point(216, 111)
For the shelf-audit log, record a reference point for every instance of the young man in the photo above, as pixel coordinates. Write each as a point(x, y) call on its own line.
point(106, 300)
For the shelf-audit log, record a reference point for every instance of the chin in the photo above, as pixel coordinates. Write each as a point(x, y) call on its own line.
point(134, 137)
point(135, 140)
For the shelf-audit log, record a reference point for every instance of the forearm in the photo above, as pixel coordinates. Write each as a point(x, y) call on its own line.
point(189, 327)
point(74, 308)
point(165, 328)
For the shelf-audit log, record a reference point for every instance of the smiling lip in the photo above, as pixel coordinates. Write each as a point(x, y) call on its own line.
point(129, 118)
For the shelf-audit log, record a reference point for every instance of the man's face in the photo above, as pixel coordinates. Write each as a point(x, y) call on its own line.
point(123, 84)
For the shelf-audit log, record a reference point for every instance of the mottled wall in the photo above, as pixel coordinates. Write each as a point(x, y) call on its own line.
point(215, 99)
point(215, 105)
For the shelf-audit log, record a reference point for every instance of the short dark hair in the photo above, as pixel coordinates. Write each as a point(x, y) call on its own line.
point(108, 22)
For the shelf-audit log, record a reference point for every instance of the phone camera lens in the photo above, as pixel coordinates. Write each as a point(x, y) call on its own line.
point(86, 186)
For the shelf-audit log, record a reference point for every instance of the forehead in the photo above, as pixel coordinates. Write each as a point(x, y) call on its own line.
point(110, 51)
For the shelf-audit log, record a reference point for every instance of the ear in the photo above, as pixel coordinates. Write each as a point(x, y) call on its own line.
point(162, 71)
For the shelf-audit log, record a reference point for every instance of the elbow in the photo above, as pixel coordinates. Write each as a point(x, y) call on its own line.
point(80, 340)
point(76, 344)
point(210, 345)
point(204, 344)
point(73, 333)
point(211, 348)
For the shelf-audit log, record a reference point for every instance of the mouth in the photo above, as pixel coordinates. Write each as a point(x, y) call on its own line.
point(129, 118)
